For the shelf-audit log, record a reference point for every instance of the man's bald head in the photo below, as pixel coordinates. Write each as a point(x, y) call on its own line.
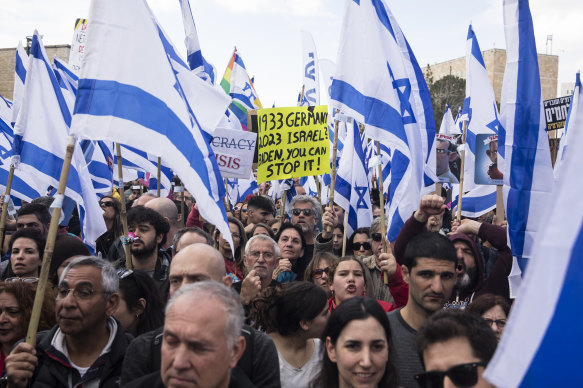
point(195, 263)
point(166, 208)
point(143, 199)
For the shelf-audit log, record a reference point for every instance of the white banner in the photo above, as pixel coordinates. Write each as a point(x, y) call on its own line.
point(78, 45)
point(234, 151)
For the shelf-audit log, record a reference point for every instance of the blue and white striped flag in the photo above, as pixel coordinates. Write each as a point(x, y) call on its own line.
point(41, 137)
point(528, 173)
point(311, 71)
point(138, 160)
point(542, 342)
point(572, 115)
point(448, 126)
point(239, 189)
point(20, 69)
point(196, 61)
point(379, 82)
point(150, 107)
point(309, 184)
point(5, 109)
point(352, 189)
point(476, 202)
point(479, 106)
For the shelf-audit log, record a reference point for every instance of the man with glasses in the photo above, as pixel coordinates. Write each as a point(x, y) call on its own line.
point(261, 258)
point(87, 346)
point(456, 346)
point(305, 213)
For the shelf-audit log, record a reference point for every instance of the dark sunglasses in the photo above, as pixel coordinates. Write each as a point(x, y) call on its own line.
point(307, 212)
point(106, 204)
point(463, 375)
point(317, 273)
point(236, 208)
point(376, 237)
point(356, 246)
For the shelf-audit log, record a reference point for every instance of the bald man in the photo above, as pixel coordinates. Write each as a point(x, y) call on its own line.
point(169, 211)
point(143, 199)
point(194, 263)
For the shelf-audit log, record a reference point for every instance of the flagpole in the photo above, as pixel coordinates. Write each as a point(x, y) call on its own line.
point(500, 216)
point(159, 176)
point(5, 205)
point(461, 192)
point(344, 234)
point(124, 221)
point(329, 228)
point(282, 208)
point(50, 244)
point(183, 221)
point(226, 198)
point(382, 207)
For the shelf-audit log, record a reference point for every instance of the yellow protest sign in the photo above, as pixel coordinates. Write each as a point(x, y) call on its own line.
point(292, 142)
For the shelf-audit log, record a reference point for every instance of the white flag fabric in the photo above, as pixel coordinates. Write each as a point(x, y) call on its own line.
point(149, 107)
point(196, 61)
point(20, 69)
point(379, 82)
point(542, 341)
point(572, 115)
point(448, 126)
point(479, 106)
point(311, 71)
point(41, 138)
point(352, 189)
point(528, 173)
point(476, 202)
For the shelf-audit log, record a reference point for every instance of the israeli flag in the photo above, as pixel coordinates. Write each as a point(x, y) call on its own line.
point(572, 115)
point(448, 126)
point(379, 82)
point(20, 69)
point(100, 163)
point(479, 106)
point(309, 184)
point(196, 61)
point(542, 342)
point(311, 80)
point(528, 173)
point(239, 189)
point(281, 187)
point(476, 202)
point(5, 108)
point(41, 137)
point(138, 160)
point(352, 191)
point(150, 108)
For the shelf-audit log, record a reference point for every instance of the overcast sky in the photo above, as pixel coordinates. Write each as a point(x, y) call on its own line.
point(267, 32)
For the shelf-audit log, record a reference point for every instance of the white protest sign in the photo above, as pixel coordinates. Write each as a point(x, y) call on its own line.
point(78, 45)
point(234, 150)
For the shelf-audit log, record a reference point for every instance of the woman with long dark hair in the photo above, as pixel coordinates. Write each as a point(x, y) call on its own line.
point(112, 216)
point(356, 344)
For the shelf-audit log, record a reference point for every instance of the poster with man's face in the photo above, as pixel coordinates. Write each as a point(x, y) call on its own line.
point(487, 172)
point(448, 163)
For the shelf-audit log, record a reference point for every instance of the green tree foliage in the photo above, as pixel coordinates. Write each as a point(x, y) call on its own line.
point(447, 90)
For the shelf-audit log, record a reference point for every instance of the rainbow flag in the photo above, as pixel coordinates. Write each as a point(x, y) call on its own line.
point(238, 85)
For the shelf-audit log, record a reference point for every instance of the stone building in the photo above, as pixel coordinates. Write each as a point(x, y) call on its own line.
point(7, 60)
point(495, 61)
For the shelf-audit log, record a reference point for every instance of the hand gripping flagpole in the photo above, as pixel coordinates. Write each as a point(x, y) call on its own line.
point(461, 193)
point(50, 244)
point(158, 176)
point(329, 228)
point(5, 204)
point(382, 206)
point(124, 220)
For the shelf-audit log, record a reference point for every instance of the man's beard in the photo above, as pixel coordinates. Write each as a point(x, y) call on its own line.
point(144, 251)
point(468, 280)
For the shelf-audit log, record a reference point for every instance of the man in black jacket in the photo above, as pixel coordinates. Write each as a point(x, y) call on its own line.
point(87, 346)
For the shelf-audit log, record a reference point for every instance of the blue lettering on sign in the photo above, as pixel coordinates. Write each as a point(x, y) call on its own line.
point(310, 71)
point(361, 191)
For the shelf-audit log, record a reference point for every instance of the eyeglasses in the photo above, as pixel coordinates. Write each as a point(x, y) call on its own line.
point(124, 273)
point(356, 246)
point(463, 375)
point(106, 204)
point(257, 254)
point(376, 237)
point(499, 322)
point(81, 293)
point(244, 210)
point(317, 273)
point(236, 208)
point(441, 151)
point(24, 280)
point(307, 212)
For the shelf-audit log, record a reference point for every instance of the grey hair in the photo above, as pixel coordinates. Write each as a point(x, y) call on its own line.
point(209, 289)
point(262, 237)
point(109, 278)
point(375, 227)
point(308, 198)
point(193, 229)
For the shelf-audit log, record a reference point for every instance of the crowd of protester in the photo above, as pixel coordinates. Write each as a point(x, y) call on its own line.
point(293, 303)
